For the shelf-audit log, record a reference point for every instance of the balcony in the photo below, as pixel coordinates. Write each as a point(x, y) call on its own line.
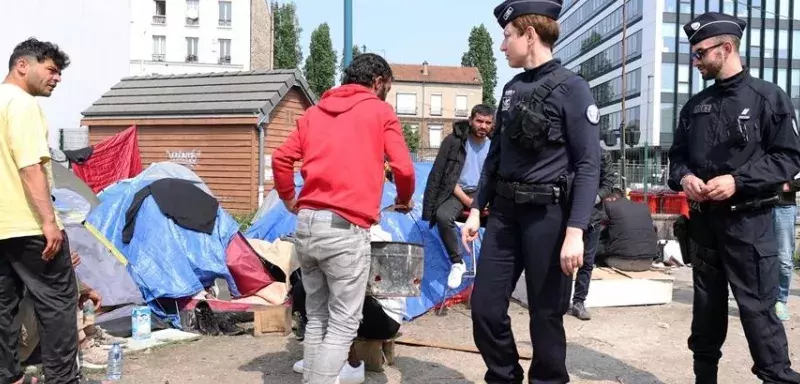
point(191, 58)
point(192, 21)
point(225, 60)
point(159, 19)
point(159, 56)
point(224, 22)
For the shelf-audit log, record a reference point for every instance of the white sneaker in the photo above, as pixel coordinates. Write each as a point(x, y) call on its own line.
point(456, 275)
point(348, 374)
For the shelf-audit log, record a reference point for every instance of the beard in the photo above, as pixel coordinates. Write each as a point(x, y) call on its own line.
point(383, 91)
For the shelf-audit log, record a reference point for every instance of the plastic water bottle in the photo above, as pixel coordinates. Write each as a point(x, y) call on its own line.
point(114, 369)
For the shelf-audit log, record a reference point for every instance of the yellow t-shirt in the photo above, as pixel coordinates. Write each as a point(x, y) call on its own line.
point(23, 143)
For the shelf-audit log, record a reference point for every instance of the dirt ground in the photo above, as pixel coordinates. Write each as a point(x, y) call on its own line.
point(640, 345)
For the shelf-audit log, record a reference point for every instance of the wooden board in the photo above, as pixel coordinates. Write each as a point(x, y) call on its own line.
point(273, 319)
point(524, 355)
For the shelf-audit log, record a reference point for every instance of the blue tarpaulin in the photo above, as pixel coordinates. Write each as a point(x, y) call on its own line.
point(277, 222)
point(164, 259)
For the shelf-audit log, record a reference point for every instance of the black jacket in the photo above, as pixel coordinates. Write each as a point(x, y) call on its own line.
point(608, 180)
point(446, 170)
point(630, 230)
point(741, 126)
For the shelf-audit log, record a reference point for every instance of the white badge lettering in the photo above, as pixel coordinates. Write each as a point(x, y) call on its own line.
point(593, 114)
point(508, 13)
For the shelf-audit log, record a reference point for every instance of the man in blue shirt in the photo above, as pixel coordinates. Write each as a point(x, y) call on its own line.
point(454, 179)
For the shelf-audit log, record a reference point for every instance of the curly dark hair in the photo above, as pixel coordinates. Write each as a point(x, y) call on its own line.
point(365, 68)
point(41, 50)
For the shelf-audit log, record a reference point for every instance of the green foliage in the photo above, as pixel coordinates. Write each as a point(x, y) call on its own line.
point(320, 69)
point(412, 138)
point(356, 51)
point(286, 47)
point(481, 55)
point(245, 220)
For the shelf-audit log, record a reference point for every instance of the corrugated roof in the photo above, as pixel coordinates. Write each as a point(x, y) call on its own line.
point(436, 74)
point(202, 94)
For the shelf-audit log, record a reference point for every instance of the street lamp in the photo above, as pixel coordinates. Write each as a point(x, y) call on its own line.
point(348, 32)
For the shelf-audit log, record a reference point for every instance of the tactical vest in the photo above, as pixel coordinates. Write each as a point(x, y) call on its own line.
point(534, 124)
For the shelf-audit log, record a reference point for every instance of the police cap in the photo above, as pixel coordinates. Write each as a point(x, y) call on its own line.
point(511, 9)
point(712, 24)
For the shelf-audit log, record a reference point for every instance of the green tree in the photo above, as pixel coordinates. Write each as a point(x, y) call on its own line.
point(481, 55)
point(412, 137)
point(320, 66)
point(356, 51)
point(286, 47)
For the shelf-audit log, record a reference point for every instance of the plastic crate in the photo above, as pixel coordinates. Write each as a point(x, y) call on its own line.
point(653, 200)
point(675, 203)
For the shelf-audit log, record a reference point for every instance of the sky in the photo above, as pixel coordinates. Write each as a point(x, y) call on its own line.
point(408, 31)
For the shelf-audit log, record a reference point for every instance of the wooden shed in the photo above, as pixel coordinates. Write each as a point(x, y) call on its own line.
point(224, 126)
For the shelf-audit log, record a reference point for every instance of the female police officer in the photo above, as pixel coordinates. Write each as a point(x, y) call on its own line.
point(541, 177)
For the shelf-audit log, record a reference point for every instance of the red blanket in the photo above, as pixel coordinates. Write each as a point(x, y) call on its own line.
point(115, 159)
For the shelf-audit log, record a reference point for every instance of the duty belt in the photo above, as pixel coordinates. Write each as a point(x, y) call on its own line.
point(749, 205)
point(536, 194)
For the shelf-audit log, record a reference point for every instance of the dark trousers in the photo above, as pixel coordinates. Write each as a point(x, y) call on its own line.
point(54, 290)
point(739, 249)
point(522, 237)
point(375, 324)
point(584, 276)
point(445, 217)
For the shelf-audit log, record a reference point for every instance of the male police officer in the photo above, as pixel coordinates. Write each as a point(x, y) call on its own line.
point(547, 143)
point(735, 144)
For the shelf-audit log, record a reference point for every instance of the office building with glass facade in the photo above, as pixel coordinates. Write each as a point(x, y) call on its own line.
point(659, 77)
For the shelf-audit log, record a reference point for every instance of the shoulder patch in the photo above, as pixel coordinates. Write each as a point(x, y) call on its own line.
point(593, 114)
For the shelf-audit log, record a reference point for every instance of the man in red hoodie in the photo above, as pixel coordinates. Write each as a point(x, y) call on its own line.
point(342, 142)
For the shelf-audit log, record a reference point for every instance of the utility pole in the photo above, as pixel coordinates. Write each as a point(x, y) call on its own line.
point(348, 32)
point(622, 123)
point(646, 179)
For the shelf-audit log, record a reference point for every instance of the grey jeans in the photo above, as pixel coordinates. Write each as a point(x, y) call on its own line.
point(334, 258)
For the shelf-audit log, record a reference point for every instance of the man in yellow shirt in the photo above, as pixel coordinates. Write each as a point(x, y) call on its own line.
point(34, 253)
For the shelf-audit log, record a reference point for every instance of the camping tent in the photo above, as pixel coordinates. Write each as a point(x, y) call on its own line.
point(165, 260)
point(277, 221)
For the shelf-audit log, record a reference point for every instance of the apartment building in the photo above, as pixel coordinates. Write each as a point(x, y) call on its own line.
point(659, 78)
point(198, 36)
point(430, 98)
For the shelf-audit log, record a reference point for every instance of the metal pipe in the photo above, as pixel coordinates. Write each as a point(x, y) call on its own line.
point(623, 181)
point(348, 32)
point(262, 132)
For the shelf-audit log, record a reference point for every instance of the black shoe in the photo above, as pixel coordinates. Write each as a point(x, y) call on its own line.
point(300, 327)
point(579, 310)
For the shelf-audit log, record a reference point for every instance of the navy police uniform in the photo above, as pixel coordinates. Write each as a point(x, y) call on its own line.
point(531, 209)
point(743, 127)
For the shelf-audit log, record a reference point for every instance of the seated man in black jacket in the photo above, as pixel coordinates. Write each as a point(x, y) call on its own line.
point(608, 177)
point(632, 241)
point(454, 179)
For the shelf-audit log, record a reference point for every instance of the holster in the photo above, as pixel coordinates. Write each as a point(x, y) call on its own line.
point(705, 259)
point(535, 194)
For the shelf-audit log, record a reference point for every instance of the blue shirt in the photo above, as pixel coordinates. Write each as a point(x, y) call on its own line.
point(476, 155)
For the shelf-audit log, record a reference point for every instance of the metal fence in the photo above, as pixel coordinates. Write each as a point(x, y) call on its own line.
point(73, 138)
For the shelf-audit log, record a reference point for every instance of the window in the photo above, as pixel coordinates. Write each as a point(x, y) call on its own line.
point(191, 49)
point(769, 43)
point(755, 42)
point(406, 104)
point(686, 6)
point(669, 39)
point(744, 44)
point(667, 77)
point(224, 13)
point(159, 48)
point(727, 7)
point(586, 11)
point(783, 79)
point(713, 6)
point(594, 36)
point(671, 6)
point(769, 74)
point(434, 135)
point(683, 78)
point(742, 9)
point(160, 15)
point(784, 11)
point(461, 106)
point(795, 83)
point(610, 59)
point(796, 13)
point(436, 105)
point(192, 12)
point(783, 44)
point(667, 118)
point(224, 51)
point(612, 121)
point(611, 91)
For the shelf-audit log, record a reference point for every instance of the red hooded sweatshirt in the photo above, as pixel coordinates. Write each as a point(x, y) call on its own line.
point(342, 142)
